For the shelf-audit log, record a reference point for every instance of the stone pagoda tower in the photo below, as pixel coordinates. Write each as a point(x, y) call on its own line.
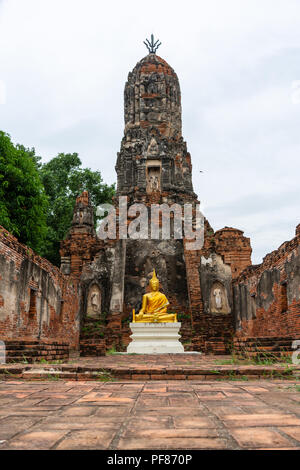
point(154, 167)
point(153, 163)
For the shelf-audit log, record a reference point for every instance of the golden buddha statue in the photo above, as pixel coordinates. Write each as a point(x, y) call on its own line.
point(154, 306)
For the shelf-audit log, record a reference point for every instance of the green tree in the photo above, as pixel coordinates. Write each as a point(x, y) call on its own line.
point(23, 202)
point(64, 179)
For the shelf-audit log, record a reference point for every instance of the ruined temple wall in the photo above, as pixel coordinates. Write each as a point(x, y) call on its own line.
point(166, 256)
point(267, 296)
point(36, 300)
point(235, 249)
point(214, 324)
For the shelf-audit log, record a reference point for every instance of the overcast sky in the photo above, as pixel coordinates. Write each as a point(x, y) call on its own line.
point(64, 63)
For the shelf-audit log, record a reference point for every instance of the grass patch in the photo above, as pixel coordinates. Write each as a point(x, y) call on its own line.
point(104, 376)
point(262, 359)
point(44, 361)
point(111, 351)
point(53, 377)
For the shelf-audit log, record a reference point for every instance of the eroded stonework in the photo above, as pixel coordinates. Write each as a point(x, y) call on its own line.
point(154, 167)
point(153, 159)
point(220, 299)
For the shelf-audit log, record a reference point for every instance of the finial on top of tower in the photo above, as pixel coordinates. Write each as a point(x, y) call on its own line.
point(152, 46)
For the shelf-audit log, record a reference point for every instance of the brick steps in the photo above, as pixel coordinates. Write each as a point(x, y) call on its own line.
point(75, 372)
point(34, 351)
point(92, 347)
point(263, 346)
point(216, 346)
point(92, 342)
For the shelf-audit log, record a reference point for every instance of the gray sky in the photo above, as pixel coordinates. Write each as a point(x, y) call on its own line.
point(64, 65)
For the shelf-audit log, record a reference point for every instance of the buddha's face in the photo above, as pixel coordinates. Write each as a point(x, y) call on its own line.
point(154, 285)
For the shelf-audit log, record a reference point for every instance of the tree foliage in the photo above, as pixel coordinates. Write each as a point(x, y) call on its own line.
point(23, 202)
point(37, 200)
point(64, 179)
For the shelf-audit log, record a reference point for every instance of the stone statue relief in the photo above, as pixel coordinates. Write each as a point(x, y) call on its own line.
point(82, 216)
point(152, 148)
point(94, 302)
point(218, 299)
point(153, 179)
point(154, 185)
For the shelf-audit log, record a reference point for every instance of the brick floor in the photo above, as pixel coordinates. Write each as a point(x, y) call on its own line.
point(57, 414)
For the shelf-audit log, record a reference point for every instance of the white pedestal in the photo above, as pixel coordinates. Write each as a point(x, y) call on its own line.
point(151, 338)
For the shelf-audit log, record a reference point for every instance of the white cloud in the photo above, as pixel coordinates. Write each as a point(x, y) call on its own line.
point(65, 64)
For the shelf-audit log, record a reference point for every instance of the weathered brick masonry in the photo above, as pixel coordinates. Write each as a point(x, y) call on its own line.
point(267, 298)
point(234, 248)
point(219, 297)
point(154, 167)
point(37, 302)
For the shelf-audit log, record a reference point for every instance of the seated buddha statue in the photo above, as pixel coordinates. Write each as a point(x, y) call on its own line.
point(154, 306)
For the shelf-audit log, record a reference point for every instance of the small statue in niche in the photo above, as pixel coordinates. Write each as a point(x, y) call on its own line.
point(152, 147)
point(218, 298)
point(94, 302)
point(154, 184)
point(76, 219)
point(152, 88)
point(153, 179)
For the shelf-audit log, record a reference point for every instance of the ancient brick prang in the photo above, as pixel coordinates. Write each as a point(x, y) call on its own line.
point(81, 243)
point(154, 167)
point(153, 164)
point(152, 97)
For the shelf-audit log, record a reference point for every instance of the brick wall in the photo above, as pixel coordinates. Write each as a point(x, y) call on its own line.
point(235, 249)
point(267, 296)
point(36, 300)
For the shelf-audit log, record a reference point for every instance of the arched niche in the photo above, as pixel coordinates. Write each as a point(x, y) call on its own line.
point(153, 176)
point(218, 300)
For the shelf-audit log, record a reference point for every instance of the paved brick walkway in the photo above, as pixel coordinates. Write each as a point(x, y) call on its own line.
point(150, 415)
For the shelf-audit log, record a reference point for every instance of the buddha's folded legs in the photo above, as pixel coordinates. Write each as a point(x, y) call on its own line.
point(150, 317)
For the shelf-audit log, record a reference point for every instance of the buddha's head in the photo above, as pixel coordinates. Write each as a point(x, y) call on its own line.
point(154, 282)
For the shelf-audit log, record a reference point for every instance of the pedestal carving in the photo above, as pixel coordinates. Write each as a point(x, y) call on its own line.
point(151, 338)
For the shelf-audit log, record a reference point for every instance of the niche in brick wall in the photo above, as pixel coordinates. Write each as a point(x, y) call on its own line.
point(94, 302)
point(32, 302)
point(153, 176)
point(218, 299)
point(283, 297)
point(253, 305)
point(61, 306)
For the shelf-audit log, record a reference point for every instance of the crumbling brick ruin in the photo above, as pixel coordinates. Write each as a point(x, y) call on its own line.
point(220, 298)
point(154, 167)
point(267, 301)
point(38, 304)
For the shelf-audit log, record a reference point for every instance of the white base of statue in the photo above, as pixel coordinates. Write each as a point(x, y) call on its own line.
point(155, 338)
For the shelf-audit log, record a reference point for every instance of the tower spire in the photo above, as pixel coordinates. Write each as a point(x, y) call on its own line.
point(153, 45)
